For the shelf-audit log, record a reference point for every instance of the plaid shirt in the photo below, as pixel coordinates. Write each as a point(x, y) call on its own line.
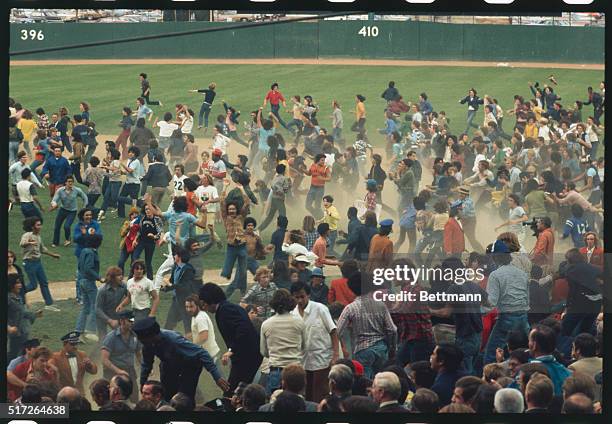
point(260, 296)
point(310, 238)
point(369, 322)
point(412, 319)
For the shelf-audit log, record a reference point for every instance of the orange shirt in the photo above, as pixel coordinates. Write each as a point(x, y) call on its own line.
point(319, 248)
point(340, 292)
point(316, 173)
point(191, 206)
point(381, 253)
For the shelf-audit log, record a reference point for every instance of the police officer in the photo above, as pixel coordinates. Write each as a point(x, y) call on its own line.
point(181, 361)
point(119, 349)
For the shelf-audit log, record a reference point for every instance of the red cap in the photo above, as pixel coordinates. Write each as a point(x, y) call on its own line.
point(217, 152)
point(358, 368)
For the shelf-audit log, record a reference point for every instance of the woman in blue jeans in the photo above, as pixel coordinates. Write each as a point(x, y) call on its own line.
point(473, 101)
point(233, 219)
point(89, 273)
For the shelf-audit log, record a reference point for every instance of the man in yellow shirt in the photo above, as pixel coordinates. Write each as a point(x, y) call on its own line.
point(27, 126)
point(331, 216)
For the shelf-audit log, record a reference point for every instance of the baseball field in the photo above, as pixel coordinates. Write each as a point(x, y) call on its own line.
point(108, 87)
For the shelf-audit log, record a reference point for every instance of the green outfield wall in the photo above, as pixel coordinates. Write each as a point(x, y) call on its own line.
point(322, 39)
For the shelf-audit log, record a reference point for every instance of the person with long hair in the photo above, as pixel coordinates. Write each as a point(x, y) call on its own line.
point(141, 294)
point(126, 125)
point(473, 102)
point(107, 301)
point(360, 115)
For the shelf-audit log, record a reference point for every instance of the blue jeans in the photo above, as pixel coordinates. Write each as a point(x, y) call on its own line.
point(373, 358)
point(337, 134)
point(29, 209)
point(111, 194)
point(274, 380)
point(470, 117)
point(129, 192)
point(36, 276)
point(470, 346)
point(297, 124)
point(505, 323)
point(13, 150)
point(314, 198)
point(66, 217)
point(149, 249)
point(333, 235)
point(274, 109)
point(87, 316)
point(204, 112)
point(413, 351)
point(233, 254)
point(252, 264)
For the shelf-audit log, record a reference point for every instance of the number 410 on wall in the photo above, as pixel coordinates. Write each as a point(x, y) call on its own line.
point(368, 31)
point(32, 35)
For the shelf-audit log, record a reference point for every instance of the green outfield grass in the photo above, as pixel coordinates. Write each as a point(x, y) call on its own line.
point(108, 88)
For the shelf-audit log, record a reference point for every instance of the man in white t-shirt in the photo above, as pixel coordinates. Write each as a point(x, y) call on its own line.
point(202, 330)
point(178, 180)
point(220, 141)
point(209, 196)
point(166, 128)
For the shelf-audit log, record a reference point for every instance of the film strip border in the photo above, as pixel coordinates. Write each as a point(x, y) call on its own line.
point(426, 6)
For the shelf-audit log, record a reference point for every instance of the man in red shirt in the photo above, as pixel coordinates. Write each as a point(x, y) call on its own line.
point(320, 174)
point(275, 97)
point(454, 239)
point(339, 290)
point(37, 368)
point(542, 253)
point(319, 247)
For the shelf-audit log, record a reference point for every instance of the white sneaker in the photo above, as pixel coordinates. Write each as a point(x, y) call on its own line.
point(52, 308)
point(101, 215)
point(91, 336)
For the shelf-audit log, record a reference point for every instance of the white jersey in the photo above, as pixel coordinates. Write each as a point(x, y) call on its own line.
point(179, 185)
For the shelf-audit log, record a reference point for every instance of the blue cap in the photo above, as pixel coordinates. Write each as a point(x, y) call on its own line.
point(500, 247)
point(317, 272)
point(72, 337)
point(386, 223)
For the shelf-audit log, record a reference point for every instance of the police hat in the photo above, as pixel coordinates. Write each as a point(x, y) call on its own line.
point(146, 327)
point(386, 223)
point(74, 337)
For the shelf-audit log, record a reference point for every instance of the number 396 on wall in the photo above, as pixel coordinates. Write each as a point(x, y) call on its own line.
point(32, 35)
point(368, 31)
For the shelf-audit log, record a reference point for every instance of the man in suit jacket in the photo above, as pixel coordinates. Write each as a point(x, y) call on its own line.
point(182, 282)
point(237, 331)
point(386, 389)
point(72, 363)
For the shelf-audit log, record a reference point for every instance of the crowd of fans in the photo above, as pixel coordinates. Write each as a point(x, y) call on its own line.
point(292, 341)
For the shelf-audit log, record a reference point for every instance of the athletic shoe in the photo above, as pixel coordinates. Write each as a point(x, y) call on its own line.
point(91, 336)
point(161, 104)
point(54, 245)
point(52, 308)
point(101, 215)
point(67, 243)
point(199, 127)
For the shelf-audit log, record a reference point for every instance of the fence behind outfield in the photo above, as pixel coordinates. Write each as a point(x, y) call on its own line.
point(319, 39)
